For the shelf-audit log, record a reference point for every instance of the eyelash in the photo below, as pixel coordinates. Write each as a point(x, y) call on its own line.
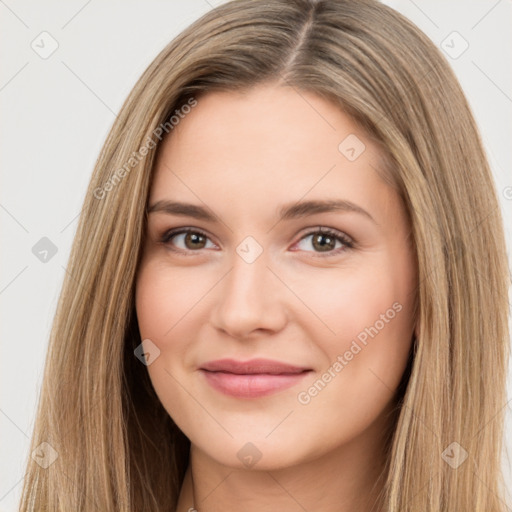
point(344, 239)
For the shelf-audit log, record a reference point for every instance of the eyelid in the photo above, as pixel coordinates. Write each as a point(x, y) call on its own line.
point(347, 241)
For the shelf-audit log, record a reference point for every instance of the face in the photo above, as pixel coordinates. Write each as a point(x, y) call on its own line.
point(257, 269)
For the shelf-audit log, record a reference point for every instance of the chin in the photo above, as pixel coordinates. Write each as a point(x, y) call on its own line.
point(256, 453)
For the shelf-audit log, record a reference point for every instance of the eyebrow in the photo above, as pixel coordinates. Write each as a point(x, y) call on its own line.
point(287, 212)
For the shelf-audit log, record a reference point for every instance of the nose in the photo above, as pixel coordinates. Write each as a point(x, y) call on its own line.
point(251, 298)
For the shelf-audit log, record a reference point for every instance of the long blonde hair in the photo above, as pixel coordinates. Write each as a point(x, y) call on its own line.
point(117, 447)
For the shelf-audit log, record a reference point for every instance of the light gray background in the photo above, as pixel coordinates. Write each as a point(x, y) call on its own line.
point(56, 113)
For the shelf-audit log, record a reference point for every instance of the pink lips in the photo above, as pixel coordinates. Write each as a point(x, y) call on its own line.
point(251, 379)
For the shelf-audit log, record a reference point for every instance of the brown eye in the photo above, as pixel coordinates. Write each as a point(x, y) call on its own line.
point(194, 241)
point(323, 242)
point(327, 241)
point(190, 239)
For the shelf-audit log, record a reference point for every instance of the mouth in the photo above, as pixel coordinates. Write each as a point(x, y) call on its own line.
point(252, 379)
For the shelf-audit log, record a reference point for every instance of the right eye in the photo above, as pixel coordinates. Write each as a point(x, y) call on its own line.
point(192, 238)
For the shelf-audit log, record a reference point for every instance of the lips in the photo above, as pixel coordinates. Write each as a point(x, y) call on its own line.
point(252, 379)
point(251, 367)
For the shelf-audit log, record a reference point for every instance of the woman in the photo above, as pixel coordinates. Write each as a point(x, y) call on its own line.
point(338, 340)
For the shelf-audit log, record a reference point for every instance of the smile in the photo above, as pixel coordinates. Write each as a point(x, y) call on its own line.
point(251, 379)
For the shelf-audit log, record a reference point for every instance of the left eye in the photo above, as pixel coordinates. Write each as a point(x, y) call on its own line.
point(325, 241)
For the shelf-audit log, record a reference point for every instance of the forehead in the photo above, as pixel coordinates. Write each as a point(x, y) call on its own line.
point(269, 145)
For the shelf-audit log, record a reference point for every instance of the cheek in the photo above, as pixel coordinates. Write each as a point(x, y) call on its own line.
point(161, 304)
point(162, 301)
point(366, 318)
point(172, 306)
point(343, 303)
point(364, 360)
point(163, 298)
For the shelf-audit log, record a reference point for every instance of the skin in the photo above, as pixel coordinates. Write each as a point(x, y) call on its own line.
point(243, 156)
